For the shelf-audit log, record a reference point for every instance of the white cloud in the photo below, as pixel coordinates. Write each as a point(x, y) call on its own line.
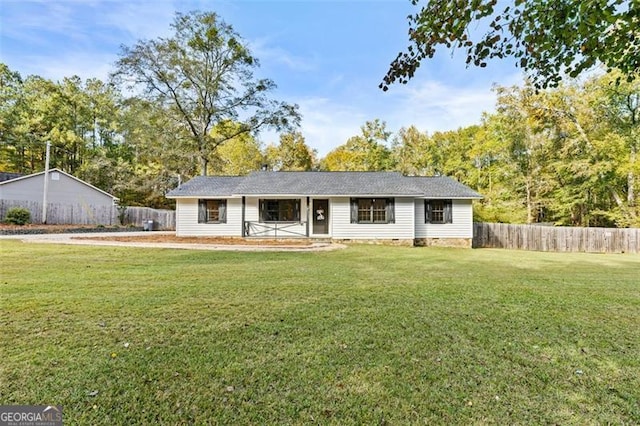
point(432, 105)
point(325, 124)
point(140, 19)
point(429, 105)
point(435, 106)
point(266, 53)
point(81, 63)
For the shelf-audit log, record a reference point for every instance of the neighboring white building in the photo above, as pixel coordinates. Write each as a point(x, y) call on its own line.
point(69, 199)
point(366, 206)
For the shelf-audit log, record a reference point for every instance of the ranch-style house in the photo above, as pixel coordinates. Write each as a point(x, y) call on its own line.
point(341, 206)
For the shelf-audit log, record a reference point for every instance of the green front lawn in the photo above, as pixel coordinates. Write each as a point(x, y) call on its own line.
point(367, 335)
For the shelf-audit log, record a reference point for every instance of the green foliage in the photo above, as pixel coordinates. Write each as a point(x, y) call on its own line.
point(367, 151)
point(291, 154)
point(202, 76)
point(239, 155)
point(549, 39)
point(567, 155)
point(18, 216)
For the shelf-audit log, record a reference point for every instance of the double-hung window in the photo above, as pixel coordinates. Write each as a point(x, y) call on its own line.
point(212, 211)
point(438, 211)
point(372, 210)
point(280, 210)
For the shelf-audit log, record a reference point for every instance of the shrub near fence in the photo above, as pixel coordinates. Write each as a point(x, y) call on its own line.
point(560, 239)
point(63, 214)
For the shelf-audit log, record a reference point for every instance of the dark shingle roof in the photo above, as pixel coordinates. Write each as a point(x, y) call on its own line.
point(207, 186)
point(442, 187)
point(4, 176)
point(325, 184)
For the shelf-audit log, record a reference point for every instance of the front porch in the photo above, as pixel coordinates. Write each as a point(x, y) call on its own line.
point(253, 229)
point(284, 218)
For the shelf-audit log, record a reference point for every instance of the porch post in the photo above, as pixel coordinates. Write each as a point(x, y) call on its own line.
point(242, 224)
point(308, 215)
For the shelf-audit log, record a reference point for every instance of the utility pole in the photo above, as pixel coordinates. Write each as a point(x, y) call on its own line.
point(46, 184)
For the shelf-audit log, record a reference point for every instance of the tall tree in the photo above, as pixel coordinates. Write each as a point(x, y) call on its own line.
point(619, 105)
point(158, 161)
point(203, 75)
point(526, 144)
point(367, 151)
point(408, 151)
point(291, 154)
point(549, 39)
point(12, 143)
point(239, 155)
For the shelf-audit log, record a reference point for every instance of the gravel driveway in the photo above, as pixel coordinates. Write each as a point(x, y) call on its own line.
point(86, 239)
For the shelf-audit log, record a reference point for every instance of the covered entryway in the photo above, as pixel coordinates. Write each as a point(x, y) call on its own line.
point(320, 214)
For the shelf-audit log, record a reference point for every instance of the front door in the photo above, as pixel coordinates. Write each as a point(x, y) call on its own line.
point(320, 217)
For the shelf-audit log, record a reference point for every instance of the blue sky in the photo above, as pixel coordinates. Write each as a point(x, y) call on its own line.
point(326, 56)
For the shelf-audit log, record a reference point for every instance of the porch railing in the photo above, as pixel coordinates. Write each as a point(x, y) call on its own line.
point(274, 230)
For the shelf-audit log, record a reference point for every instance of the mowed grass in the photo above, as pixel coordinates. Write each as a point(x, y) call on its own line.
point(366, 335)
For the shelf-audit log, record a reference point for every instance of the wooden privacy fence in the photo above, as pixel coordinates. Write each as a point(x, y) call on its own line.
point(556, 238)
point(83, 214)
point(163, 219)
point(76, 214)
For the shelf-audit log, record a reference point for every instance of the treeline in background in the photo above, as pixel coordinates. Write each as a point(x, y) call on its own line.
point(567, 155)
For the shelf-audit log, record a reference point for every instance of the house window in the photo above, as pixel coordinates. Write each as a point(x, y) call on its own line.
point(438, 211)
point(212, 211)
point(279, 210)
point(372, 210)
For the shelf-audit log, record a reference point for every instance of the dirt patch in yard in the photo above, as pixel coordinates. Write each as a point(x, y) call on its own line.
point(163, 238)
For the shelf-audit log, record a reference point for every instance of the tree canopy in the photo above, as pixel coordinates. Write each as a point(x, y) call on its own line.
point(202, 76)
point(291, 154)
point(364, 152)
point(548, 39)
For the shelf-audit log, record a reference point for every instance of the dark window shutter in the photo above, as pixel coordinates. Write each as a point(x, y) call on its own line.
point(263, 207)
point(354, 210)
point(202, 211)
point(448, 211)
point(427, 211)
point(391, 210)
point(222, 211)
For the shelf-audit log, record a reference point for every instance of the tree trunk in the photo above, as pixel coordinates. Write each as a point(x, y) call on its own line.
point(631, 193)
point(529, 206)
point(204, 163)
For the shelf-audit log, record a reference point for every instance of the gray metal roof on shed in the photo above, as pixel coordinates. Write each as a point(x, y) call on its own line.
point(324, 184)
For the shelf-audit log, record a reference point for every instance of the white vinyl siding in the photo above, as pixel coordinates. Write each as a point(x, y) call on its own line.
point(187, 220)
point(409, 220)
point(461, 226)
point(342, 228)
point(61, 190)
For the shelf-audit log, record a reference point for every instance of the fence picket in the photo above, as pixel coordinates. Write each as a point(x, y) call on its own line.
point(81, 214)
point(560, 239)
